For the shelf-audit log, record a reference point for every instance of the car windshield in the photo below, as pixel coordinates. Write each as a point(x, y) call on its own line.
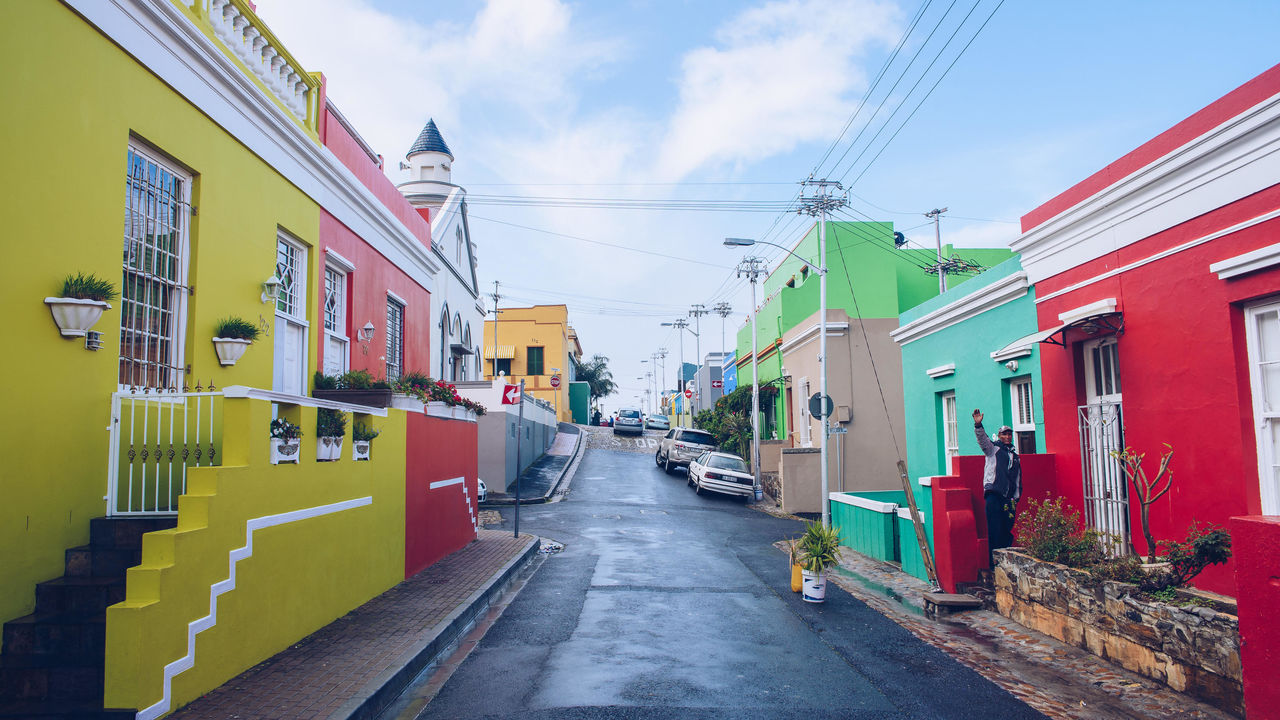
point(698, 437)
point(630, 413)
point(727, 463)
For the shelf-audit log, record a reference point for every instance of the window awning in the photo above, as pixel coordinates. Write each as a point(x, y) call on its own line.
point(460, 349)
point(1099, 323)
point(1023, 345)
point(505, 352)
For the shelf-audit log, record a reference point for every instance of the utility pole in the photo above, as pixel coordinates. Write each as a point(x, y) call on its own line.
point(818, 205)
point(680, 324)
point(662, 371)
point(937, 237)
point(752, 267)
point(496, 297)
point(696, 312)
point(723, 309)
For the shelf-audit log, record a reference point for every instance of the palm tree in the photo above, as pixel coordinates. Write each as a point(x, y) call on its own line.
point(595, 373)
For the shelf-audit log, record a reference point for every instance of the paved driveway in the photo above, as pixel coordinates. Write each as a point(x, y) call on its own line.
point(667, 604)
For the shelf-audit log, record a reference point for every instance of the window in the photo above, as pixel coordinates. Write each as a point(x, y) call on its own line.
point(533, 361)
point(460, 244)
point(395, 339)
point(950, 431)
point(153, 298)
point(335, 321)
point(1024, 421)
point(1262, 334)
point(290, 341)
point(502, 367)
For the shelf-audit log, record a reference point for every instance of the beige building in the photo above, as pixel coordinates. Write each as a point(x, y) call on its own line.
point(534, 344)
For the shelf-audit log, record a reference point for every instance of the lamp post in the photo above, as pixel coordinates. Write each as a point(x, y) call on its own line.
point(822, 351)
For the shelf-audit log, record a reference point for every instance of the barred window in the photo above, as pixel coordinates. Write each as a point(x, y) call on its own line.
point(395, 339)
point(153, 298)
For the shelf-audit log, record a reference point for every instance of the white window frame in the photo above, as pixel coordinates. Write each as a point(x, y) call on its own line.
point(1264, 418)
point(395, 337)
point(335, 322)
point(291, 306)
point(802, 412)
point(174, 334)
point(1023, 405)
point(1107, 350)
point(950, 430)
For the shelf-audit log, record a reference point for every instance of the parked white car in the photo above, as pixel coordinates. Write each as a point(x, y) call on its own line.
point(482, 491)
point(723, 473)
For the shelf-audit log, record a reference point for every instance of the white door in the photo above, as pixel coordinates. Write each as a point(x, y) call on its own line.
point(1262, 326)
point(802, 412)
point(290, 339)
point(1106, 490)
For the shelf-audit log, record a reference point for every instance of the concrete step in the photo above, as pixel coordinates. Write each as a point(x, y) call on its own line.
point(73, 638)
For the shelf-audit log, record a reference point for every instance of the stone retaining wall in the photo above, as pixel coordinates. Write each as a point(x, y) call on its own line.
point(1195, 650)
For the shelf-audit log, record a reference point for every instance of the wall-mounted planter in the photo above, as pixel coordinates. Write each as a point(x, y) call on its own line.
point(75, 317)
point(402, 401)
point(371, 398)
point(285, 450)
point(328, 448)
point(440, 409)
point(360, 449)
point(230, 349)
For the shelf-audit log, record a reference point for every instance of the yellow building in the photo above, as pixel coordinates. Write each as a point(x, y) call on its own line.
point(534, 344)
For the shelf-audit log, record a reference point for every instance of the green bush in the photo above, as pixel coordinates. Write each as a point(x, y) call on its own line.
point(330, 423)
point(360, 432)
point(1205, 545)
point(88, 287)
point(325, 382)
point(1050, 530)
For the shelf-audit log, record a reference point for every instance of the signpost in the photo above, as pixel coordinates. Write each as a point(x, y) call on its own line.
point(688, 393)
point(511, 395)
point(555, 381)
point(820, 406)
point(717, 383)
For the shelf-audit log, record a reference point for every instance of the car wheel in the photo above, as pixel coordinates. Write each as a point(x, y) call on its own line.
point(657, 458)
point(697, 488)
point(666, 464)
point(689, 480)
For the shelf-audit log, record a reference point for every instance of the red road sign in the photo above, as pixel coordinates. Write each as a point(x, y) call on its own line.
point(510, 394)
point(555, 381)
point(717, 383)
point(688, 393)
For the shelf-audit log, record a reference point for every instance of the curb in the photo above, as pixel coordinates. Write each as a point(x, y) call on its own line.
point(369, 701)
point(509, 501)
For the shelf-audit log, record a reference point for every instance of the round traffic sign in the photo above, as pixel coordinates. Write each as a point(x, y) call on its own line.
point(688, 393)
point(818, 408)
point(555, 381)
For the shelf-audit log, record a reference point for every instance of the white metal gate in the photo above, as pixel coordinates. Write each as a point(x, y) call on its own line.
point(1106, 491)
point(155, 437)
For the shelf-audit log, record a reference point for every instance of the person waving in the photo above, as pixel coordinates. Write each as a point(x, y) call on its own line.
point(1001, 483)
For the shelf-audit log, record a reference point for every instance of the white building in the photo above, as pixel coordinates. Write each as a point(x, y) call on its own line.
point(457, 305)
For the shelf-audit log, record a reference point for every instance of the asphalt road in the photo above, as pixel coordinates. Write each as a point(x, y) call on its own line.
point(666, 604)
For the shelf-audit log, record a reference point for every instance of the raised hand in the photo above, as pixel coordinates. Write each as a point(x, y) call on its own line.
point(977, 417)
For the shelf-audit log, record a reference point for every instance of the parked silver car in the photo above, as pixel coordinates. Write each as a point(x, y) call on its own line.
point(657, 422)
point(723, 473)
point(681, 446)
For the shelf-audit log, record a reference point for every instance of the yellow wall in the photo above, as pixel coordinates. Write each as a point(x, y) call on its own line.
point(284, 590)
point(546, 326)
point(75, 100)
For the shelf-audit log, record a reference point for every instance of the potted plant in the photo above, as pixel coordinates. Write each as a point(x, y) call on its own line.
point(793, 561)
point(83, 300)
point(231, 337)
point(331, 427)
point(358, 387)
point(285, 441)
point(362, 436)
point(819, 549)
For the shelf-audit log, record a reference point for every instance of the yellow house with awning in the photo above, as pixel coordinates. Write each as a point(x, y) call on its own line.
point(534, 344)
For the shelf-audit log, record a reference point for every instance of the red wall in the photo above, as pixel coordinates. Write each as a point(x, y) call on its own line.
point(1257, 545)
point(367, 302)
point(440, 521)
point(1183, 369)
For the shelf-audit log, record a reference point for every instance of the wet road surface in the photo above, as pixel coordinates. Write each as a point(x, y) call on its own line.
point(668, 604)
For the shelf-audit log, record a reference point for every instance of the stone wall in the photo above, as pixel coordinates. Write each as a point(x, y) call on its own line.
point(1195, 650)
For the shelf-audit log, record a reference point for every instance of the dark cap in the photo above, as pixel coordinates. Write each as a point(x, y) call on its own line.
point(1004, 429)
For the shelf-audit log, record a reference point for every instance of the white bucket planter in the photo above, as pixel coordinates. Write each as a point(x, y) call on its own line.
point(328, 448)
point(459, 412)
point(75, 317)
point(814, 586)
point(437, 408)
point(230, 349)
point(285, 451)
point(406, 402)
point(360, 450)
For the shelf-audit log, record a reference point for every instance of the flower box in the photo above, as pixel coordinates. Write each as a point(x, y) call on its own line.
point(73, 316)
point(440, 409)
point(402, 401)
point(360, 449)
point(285, 450)
point(1191, 648)
point(371, 397)
point(328, 448)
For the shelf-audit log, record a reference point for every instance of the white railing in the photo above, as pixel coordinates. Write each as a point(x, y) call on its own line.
point(155, 437)
point(245, 35)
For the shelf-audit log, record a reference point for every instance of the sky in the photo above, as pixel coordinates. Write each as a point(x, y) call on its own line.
point(607, 148)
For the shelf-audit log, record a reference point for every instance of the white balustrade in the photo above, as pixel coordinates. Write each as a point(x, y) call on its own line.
point(252, 46)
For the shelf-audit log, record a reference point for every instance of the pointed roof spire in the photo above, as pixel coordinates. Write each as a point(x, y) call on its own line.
point(430, 140)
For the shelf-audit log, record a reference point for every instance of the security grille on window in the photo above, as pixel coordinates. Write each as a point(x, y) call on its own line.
point(1024, 421)
point(950, 431)
point(153, 301)
point(395, 339)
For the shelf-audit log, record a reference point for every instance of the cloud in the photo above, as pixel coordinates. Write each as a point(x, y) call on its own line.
point(784, 73)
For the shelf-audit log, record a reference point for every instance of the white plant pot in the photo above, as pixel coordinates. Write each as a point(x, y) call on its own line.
point(230, 349)
point(285, 451)
point(459, 412)
point(437, 408)
point(360, 449)
point(406, 402)
point(328, 448)
point(75, 317)
point(814, 586)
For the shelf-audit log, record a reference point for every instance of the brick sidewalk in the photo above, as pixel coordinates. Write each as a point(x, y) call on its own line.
point(365, 658)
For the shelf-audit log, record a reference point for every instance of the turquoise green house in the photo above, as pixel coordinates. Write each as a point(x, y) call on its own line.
point(974, 346)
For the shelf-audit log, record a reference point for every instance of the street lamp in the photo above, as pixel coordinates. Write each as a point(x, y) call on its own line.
point(822, 345)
